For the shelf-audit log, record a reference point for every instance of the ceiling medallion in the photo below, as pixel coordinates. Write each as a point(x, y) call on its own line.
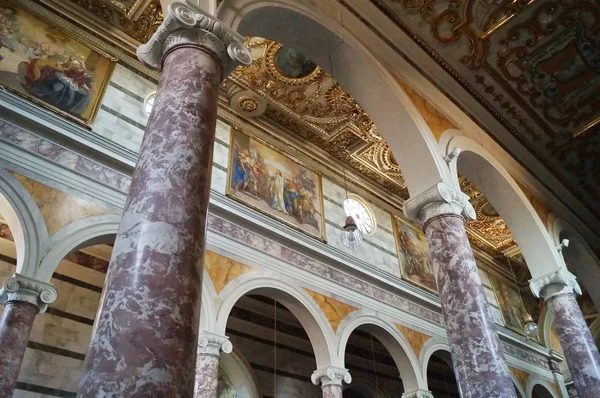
point(289, 66)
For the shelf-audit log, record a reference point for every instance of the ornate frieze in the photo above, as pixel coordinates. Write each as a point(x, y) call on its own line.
point(187, 24)
point(27, 290)
point(554, 284)
point(331, 376)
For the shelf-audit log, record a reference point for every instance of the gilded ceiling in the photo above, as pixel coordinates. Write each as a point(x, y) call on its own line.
point(535, 65)
point(304, 100)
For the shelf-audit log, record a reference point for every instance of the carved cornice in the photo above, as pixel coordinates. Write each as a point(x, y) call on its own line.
point(331, 375)
point(189, 24)
point(554, 284)
point(27, 290)
point(212, 344)
point(418, 394)
point(439, 200)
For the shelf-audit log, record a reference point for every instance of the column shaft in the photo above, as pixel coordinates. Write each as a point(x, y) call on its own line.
point(578, 345)
point(332, 391)
point(480, 367)
point(15, 327)
point(207, 376)
point(144, 342)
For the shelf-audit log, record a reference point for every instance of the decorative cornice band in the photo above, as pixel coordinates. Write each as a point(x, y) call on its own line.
point(331, 376)
point(212, 344)
point(441, 199)
point(27, 290)
point(189, 24)
point(418, 394)
point(554, 284)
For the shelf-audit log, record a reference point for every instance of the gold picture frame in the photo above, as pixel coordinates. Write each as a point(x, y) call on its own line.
point(45, 64)
point(265, 174)
point(414, 256)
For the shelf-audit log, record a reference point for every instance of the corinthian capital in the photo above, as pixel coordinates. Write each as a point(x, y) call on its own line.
point(185, 24)
point(27, 290)
point(438, 200)
point(331, 375)
point(554, 284)
point(213, 344)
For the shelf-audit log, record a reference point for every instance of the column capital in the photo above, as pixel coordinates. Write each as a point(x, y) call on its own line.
point(21, 288)
point(418, 394)
point(438, 200)
point(213, 344)
point(331, 375)
point(554, 283)
point(188, 24)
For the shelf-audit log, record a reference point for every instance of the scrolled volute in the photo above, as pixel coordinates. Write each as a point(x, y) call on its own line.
point(27, 290)
point(187, 23)
point(213, 344)
point(438, 200)
point(331, 375)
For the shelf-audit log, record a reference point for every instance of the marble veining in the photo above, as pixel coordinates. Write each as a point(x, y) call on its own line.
point(222, 270)
point(332, 391)
point(146, 333)
point(207, 376)
point(15, 327)
point(578, 345)
point(334, 310)
point(416, 339)
point(479, 365)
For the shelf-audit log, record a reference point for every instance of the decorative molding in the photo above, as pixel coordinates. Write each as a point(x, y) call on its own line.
point(212, 344)
point(189, 24)
point(27, 290)
point(418, 394)
point(331, 375)
point(438, 200)
point(554, 284)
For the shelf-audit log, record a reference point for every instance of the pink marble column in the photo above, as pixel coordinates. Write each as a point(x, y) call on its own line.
point(480, 366)
point(23, 299)
point(207, 364)
point(331, 380)
point(558, 290)
point(146, 332)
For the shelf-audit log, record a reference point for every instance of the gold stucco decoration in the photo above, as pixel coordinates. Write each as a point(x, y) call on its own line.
point(415, 339)
point(223, 270)
point(59, 208)
point(334, 310)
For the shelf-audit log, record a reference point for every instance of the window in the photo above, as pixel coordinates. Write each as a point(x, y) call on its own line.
point(149, 103)
point(356, 207)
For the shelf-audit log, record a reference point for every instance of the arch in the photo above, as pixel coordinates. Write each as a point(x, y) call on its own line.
point(328, 42)
point(433, 346)
point(296, 300)
point(579, 255)
point(87, 232)
point(208, 311)
point(520, 389)
point(391, 338)
point(534, 381)
point(508, 199)
point(25, 221)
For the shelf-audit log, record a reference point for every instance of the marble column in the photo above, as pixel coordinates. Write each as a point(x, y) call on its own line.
point(145, 337)
point(559, 289)
point(331, 380)
point(23, 299)
point(479, 365)
point(417, 394)
point(207, 363)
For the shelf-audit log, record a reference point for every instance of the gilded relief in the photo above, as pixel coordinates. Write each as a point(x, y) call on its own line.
point(414, 255)
point(223, 270)
point(59, 208)
point(416, 339)
point(334, 310)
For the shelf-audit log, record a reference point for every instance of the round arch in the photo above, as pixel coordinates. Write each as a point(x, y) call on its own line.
point(87, 232)
point(535, 381)
point(332, 45)
point(25, 221)
point(391, 338)
point(579, 255)
point(208, 311)
point(302, 306)
point(507, 198)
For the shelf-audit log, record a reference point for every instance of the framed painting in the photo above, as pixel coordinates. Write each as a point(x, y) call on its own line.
point(511, 306)
point(50, 67)
point(275, 184)
point(414, 255)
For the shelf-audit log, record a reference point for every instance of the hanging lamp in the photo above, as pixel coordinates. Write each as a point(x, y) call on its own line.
point(351, 236)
